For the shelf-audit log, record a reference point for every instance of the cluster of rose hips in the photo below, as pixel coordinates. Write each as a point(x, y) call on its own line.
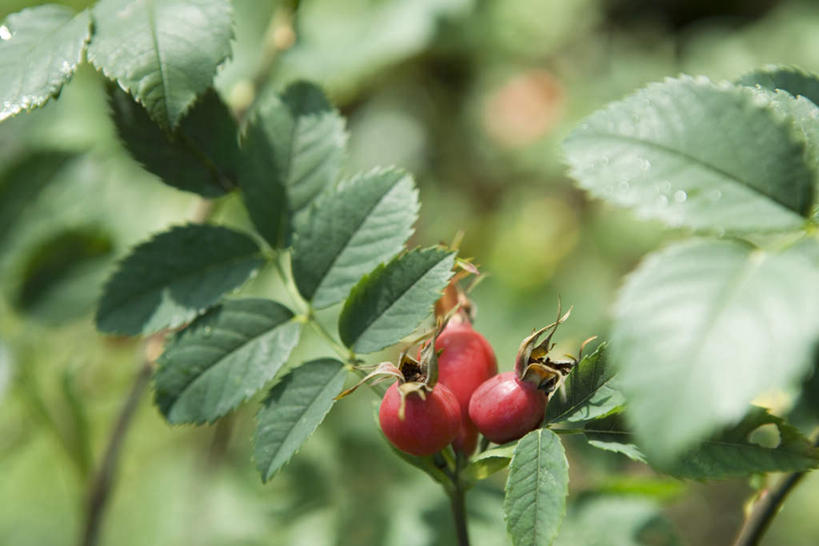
point(453, 391)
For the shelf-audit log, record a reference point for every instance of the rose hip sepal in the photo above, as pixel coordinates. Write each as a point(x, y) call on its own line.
point(505, 408)
point(429, 422)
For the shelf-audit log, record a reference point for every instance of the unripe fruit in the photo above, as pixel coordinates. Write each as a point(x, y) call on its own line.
point(429, 424)
point(465, 361)
point(505, 408)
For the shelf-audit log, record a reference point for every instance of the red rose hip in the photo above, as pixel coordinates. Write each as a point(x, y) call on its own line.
point(429, 424)
point(465, 361)
point(505, 408)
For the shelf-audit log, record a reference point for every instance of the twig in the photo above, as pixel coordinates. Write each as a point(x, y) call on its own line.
point(767, 508)
point(103, 480)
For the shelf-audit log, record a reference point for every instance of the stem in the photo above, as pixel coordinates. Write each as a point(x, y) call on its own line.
point(103, 480)
point(458, 503)
point(767, 508)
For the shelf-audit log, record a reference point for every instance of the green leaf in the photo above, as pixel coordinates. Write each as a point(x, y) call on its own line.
point(536, 490)
point(164, 53)
point(587, 392)
point(787, 78)
point(693, 153)
point(702, 328)
point(200, 156)
point(40, 49)
point(224, 357)
point(610, 434)
point(488, 462)
point(295, 407)
point(617, 520)
point(166, 281)
point(22, 181)
point(738, 452)
point(61, 276)
point(390, 302)
point(294, 147)
point(349, 232)
point(759, 443)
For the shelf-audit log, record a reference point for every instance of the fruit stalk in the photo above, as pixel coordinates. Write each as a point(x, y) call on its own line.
point(458, 503)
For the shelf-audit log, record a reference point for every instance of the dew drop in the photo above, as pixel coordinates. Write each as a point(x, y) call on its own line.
point(714, 195)
point(665, 186)
point(680, 196)
point(5, 33)
point(662, 200)
point(645, 164)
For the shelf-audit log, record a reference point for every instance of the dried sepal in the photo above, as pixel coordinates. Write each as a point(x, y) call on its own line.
point(382, 372)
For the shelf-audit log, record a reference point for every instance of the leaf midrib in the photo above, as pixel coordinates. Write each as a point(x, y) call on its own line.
point(300, 420)
point(353, 233)
point(159, 287)
point(403, 293)
point(226, 355)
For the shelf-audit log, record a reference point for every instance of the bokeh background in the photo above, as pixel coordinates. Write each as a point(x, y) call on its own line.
point(473, 97)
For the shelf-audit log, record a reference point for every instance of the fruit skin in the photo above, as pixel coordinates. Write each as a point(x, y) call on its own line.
point(504, 408)
point(429, 424)
point(465, 361)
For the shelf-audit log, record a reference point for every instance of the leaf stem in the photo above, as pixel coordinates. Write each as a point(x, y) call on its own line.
point(767, 508)
point(103, 480)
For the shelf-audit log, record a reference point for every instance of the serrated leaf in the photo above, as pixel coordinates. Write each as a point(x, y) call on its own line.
point(40, 49)
point(735, 452)
point(390, 302)
point(168, 280)
point(587, 393)
point(201, 155)
point(787, 78)
point(610, 434)
point(732, 452)
point(350, 231)
point(294, 148)
point(164, 53)
point(488, 462)
point(536, 490)
point(702, 328)
point(693, 153)
point(295, 407)
point(222, 358)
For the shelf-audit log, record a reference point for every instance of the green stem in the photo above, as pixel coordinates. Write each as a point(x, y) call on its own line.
point(458, 504)
point(103, 480)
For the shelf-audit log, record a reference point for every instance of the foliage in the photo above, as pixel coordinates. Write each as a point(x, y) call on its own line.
point(298, 226)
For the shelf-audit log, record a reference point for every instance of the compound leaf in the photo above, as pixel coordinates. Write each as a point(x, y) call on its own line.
point(393, 299)
point(702, 328)
point(350, 231)
point(222, 358)
point(693, 153)
point(168, 280)
point(201, 155)
point(40, 49)
point(587, 393)
point(536, 490)
point(295, 407)
point(164, 53)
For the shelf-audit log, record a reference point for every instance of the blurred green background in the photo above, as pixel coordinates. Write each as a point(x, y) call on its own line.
point(473, 97)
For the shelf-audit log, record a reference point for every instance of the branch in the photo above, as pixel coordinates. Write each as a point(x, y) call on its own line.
point(767, 508)
point(103, 480)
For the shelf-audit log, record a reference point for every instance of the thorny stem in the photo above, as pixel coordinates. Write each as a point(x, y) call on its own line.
point(767, 508)
point(103, 480)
